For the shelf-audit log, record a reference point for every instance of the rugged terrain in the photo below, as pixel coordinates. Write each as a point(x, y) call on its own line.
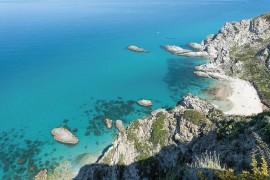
point(170, 143)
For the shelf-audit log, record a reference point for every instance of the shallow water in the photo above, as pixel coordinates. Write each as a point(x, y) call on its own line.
point(65, 63)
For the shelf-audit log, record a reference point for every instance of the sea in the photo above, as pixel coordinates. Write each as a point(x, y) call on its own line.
point(66, 63)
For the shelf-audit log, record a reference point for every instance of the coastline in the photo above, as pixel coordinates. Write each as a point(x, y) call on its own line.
point(239, 95)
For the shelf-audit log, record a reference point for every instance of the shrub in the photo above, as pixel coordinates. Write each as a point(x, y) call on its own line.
point(193, 116)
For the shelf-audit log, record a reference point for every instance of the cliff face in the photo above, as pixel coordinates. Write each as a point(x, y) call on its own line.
point(165, 144)
point(252, 32)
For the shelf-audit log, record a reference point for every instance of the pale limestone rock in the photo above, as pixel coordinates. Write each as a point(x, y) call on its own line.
point(145, 102)
point(193, 102)
point(64, 136)
point(108, 123)
point(176, 49)
point(119, 125)
point(137, 49)
point(196, 46)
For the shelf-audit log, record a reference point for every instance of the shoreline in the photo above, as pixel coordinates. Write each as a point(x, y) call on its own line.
point(235, 96)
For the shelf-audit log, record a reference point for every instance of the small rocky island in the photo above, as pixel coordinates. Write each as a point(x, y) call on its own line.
point(137, 49)
point(64, 136)
point(145, 102)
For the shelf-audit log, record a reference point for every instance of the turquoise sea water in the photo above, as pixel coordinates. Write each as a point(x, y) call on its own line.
point(65, 63)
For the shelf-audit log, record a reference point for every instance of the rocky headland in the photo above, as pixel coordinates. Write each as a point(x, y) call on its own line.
point(169, 143)
point(239, 55)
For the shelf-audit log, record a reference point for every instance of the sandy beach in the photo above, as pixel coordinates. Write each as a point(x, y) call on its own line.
point(244, 98)
point(239, 94)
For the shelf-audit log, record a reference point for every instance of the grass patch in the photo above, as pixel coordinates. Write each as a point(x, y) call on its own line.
point(193, 116)
point(159, 134)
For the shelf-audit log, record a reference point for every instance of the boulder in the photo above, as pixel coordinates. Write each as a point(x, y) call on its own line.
point(64, 136)
point(145, 102)
point(119, 125)
point(108, 123)
point(137, 49)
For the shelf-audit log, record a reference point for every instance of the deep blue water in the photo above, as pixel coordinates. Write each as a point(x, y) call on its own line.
point(66, 63)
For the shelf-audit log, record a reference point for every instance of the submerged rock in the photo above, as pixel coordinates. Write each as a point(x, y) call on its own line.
point(108, 123)
point(119, 125)
point(64, 136)
point(137, 49)
point(145, 102)
point(42, 175)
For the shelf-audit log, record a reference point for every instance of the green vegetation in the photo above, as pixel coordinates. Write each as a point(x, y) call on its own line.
point(121, 160)
point(159, 134)
point(193, 116)
point(257, 172)
point(266, 16)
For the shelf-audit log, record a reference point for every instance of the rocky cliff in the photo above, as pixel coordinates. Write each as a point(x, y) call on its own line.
point(166, 144)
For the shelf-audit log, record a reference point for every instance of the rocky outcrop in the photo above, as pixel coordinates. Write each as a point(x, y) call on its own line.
point(64, 136)
point(119, 125)
point(194, 102)
point(176, 49)
point(145, 102)
point(264, 55)
point(185, 52)
point(108, 123)
point(217, 47)
point(157, 146)
point(137, 49)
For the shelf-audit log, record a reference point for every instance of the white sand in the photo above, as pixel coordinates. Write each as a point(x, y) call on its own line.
point(244, 98)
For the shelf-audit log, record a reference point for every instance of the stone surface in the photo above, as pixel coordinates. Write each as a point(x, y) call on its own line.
point(108, 123)
point(145, 102)
point(64, 136)
point(137, 49)
point(119, 125)
point(193, 102)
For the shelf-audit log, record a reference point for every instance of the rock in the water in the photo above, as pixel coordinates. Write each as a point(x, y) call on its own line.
point(185, 52)
point(42, 175)
point(176, 49)
point(108, 123)
point(64, 136)
point(196, 46)
point(119, 125)
point(136, 49)
point(145, 102)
